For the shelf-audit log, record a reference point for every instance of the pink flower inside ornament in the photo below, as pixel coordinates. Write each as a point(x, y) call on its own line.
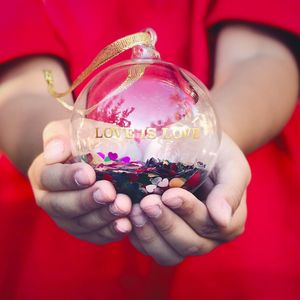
point(146, 125)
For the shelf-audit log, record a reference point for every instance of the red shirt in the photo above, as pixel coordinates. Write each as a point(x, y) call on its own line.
point(40, 261)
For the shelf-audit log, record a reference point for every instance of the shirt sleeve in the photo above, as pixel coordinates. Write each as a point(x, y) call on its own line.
point(26, 30)
point(281, 14)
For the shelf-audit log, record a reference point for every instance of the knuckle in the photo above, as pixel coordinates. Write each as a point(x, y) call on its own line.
point(83, 204)
point(147, 238)
point(233, 233)
point(187, 209)
point(209, 230)
point(81, 222)
point(90, 221)
point(52, 206)
point(105, 216)
point(55, 209)
point(237, 232)
point(167, 227)
point(195, 250)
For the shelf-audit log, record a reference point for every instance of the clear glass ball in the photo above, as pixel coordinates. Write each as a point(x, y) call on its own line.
point(146, 126)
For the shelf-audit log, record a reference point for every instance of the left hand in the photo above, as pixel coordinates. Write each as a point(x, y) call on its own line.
point(176, 224)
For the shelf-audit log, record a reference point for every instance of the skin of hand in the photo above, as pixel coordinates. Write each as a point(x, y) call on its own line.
point(176, 224)
point(87, 209)
point(168, 227)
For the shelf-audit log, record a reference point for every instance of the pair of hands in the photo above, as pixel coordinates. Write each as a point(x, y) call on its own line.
point(168, 227)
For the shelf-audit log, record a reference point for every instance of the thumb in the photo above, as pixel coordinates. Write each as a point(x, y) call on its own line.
point(231, 176)
point(57, 143)
point(222, 203)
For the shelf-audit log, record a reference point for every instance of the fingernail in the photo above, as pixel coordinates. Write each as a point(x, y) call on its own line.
point(137, 217)
point(53, 151)
point(225, 212)
point(153, 211)
point(99, 197)
point(81, 178)
point(121, 226)
point(175, 202)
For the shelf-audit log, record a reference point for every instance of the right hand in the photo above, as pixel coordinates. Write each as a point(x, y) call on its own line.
point(88, 209)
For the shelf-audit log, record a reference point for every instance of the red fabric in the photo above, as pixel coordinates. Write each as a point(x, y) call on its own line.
point(279, 14)
point(40, 261)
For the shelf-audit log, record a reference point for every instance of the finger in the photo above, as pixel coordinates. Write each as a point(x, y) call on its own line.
point(231, 176)
point(76, 203)
point(101, 217)
point(57, 146)
point(151, 241)
point(113, 232)
point(195, 213)
point(136, 243)
point(191, 210)
point(237, 225)
point(175, 231)
point(65, 177)
point(34, 174)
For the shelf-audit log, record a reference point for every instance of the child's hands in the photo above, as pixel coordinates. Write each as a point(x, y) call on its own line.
point(168, 228)
point(176, 224)
point(89, 210)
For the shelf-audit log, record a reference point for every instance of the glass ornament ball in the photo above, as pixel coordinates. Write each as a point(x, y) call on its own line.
point(146, 125)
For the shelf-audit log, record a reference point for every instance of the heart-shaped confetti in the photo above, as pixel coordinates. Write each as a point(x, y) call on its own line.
point(125, 159)
point(164, 183)
point(156, 180)
point(150, 188)
point(112, 155)
point(102, 155)
point(137, 179)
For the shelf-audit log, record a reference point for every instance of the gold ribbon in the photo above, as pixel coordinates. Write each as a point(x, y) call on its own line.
point(106, 54)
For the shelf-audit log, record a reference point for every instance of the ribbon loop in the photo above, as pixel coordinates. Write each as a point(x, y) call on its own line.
point(106, 54)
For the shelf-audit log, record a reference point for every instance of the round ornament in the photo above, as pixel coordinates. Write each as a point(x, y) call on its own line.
point(144, 124)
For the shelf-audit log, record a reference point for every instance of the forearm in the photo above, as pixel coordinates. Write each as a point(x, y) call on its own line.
point(256, 86)
point(26, 107)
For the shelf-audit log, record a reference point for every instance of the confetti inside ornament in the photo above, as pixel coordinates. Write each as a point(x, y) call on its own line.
point(144, 124)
